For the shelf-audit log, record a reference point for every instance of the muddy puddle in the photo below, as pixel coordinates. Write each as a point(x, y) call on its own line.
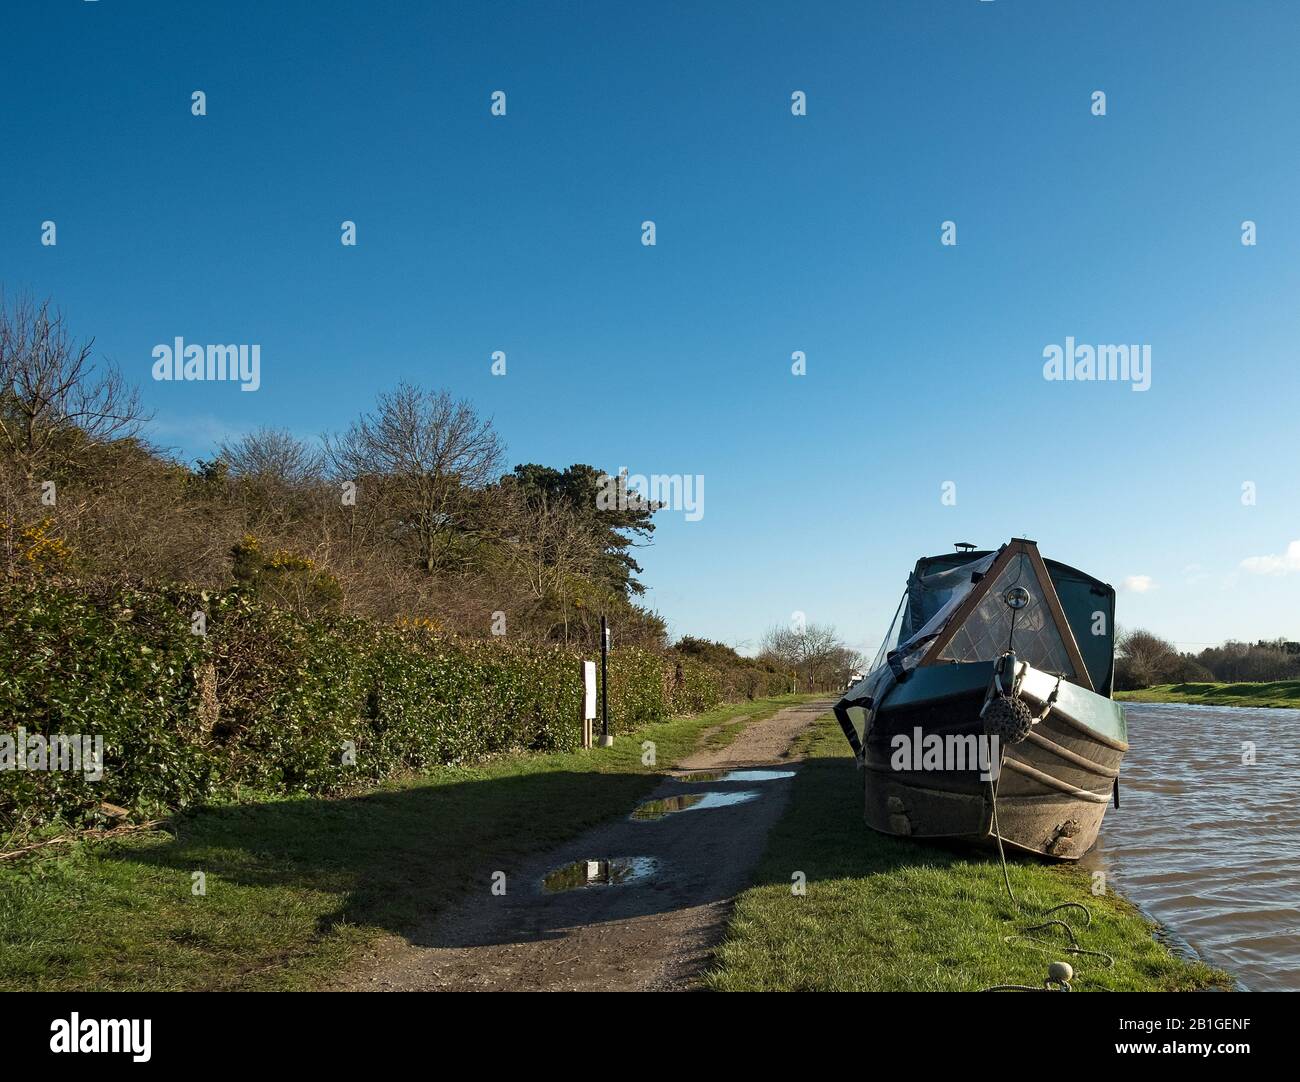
point(749, 777)
point(617, 871)
point(657, 809)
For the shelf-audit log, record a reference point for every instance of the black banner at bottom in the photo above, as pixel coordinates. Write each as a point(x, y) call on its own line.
point(333, 1031)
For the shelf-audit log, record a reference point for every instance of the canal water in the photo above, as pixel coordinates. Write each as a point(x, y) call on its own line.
point(1207, 844)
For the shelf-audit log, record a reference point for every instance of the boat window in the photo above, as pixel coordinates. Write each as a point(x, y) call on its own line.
point(987, 632)
point(891, 637)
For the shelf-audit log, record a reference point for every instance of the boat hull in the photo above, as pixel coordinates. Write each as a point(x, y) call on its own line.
point(1051, 789)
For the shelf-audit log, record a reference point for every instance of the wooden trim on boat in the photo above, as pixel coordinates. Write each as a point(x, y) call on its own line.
point(1084, 679)
point(1055, 783)
point(1073, 757)
point(969, 602)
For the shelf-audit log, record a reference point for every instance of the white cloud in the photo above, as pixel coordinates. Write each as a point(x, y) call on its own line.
point(195, 430)
point(1138, 584)
point(1274, 565)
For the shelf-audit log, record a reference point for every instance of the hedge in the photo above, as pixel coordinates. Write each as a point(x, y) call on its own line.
point(267, 701)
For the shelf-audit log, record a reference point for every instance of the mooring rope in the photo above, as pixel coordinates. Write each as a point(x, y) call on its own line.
point(1059, 974)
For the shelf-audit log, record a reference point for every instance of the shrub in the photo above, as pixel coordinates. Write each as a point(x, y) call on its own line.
point(120, 665)
point(270, 700)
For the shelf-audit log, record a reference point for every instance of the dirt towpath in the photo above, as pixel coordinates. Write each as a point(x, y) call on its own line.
point(653, 933)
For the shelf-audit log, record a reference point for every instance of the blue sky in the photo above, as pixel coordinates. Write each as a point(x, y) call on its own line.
point(775, 233)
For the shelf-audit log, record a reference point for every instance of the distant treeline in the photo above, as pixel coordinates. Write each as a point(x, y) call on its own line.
point(408, 514)
point(1144, 659)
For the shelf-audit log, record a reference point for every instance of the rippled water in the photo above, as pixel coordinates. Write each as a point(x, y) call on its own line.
point(1208, 846)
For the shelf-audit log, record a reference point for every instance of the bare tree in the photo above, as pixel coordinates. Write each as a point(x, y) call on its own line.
point(55, 402)
point(422, 452)
point(1143, 659)
point(274, 455)
point(814, 652)
point(63, 417)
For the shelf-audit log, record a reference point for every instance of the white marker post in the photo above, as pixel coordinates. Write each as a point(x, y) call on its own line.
point(588, 701)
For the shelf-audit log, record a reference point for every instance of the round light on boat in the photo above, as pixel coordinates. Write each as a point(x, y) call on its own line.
point(1016, 598)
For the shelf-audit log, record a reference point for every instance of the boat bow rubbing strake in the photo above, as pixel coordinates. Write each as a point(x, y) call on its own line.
point(991, 693)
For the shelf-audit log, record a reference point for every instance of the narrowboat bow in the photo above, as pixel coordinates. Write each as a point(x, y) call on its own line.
point(988, 713)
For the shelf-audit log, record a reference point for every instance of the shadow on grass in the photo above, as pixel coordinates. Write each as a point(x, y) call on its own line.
point(394, 857)
point(295, 886)
point(1274, 693)
point(891, 914)
point(825, 832)
point(395, 860)
point(1275, 689)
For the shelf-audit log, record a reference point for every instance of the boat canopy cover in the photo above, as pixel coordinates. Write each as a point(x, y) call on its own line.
point(938, 586)
point(926, 608)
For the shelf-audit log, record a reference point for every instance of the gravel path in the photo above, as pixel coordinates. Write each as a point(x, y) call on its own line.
point(656, 933)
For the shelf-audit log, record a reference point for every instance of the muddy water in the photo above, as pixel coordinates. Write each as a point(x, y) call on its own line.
point(615, 872)
point(1208, 846)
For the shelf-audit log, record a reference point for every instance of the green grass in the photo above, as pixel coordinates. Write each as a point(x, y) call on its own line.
point(295, 886)
point(1281, 693)
point(882, 914)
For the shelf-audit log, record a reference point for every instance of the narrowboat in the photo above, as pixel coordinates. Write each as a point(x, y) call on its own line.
point(987, 713)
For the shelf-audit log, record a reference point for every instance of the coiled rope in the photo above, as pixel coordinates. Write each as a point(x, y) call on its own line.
point(1058, 973)
point(1007, 717)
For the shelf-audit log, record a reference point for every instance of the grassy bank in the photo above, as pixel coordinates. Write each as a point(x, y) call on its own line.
point(1276, 693)
point(881, 914)
point(294, 886)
